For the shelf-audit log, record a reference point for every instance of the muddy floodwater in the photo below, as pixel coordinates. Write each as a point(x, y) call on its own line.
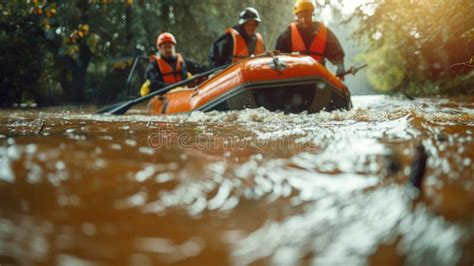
point(239, 188)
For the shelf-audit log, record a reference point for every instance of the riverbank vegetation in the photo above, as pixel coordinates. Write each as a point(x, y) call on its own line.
point(56, 52)
point(419, 47)
point(81, 51)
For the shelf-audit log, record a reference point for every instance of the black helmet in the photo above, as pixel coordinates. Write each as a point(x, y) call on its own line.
point(249, 13)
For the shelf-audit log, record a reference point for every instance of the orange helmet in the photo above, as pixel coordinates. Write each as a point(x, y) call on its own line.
point(165, 37)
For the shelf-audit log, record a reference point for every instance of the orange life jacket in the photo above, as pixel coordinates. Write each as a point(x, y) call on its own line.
point(316, 50)
point(169, 74)
point(241, 49)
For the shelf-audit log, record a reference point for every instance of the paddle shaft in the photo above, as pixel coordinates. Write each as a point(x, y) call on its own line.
point(132, 72)
point(127, 85)
point(123, 108)
point(352, 70)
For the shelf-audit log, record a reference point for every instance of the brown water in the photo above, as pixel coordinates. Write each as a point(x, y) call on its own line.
point(239, 187)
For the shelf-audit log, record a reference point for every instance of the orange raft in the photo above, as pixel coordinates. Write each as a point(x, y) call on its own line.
point(288, 83)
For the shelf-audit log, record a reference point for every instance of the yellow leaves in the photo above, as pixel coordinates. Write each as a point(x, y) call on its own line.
point(51, 12)
point(79, 33)
point(84, 28)
point(41, 9)
point(121, 65)
point(45, 24)
point(73, 37)
point(37, 10)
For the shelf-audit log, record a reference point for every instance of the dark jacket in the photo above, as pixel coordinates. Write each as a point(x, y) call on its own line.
point(333, 51)
point(153, 73)
point(222, 49)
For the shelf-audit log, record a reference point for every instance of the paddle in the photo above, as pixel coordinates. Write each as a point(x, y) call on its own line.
point(132, 71)
point(127, 86)
point(122, 108)
point(352, 70)
point(109, 108)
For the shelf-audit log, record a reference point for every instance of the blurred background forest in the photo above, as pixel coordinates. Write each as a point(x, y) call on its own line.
point(57, 52)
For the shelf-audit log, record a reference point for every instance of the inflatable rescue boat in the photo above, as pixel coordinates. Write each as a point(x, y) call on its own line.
point(288, 83)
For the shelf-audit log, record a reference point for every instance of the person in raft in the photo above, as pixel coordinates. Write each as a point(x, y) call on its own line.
point(312, 38)
point(168, 66)
point(238, 42)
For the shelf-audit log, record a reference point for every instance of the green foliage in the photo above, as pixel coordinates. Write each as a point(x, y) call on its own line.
point(460, 84)
point(388, 73)
point(415, 43)
point(54, 51)
point(25, 56)
point(80, 51)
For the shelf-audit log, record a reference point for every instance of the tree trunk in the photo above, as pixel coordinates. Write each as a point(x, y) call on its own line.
point(79, 66)
point(128, 24)
point(79, 75)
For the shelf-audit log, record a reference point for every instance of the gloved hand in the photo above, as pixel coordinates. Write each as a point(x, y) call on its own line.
point(177, 89)
point(145, 89)
point(340, 71)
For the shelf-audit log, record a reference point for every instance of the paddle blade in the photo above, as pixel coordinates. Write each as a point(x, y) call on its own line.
point(109, 108)
point(121, 109)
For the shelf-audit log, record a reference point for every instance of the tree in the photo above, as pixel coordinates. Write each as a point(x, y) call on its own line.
point(80, 51)
point(22, 46)
point(413, 44)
